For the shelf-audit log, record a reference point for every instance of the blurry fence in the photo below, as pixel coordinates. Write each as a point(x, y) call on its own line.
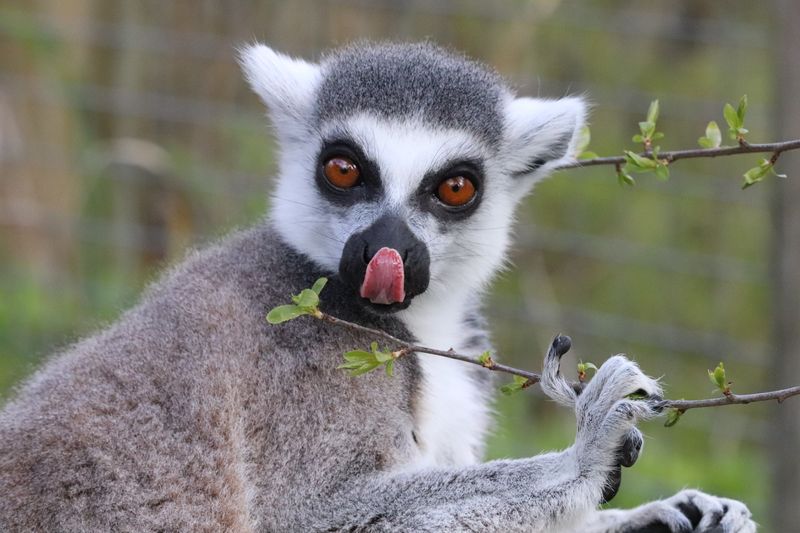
point(127, 135)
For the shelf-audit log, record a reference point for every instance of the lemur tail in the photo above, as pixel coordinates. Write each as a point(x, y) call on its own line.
point(553, 383)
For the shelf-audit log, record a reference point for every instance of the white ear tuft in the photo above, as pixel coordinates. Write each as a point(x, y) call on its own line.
point(286, 85)
point(540, 134)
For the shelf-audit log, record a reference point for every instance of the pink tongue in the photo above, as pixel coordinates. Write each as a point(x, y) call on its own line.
point(384, 281)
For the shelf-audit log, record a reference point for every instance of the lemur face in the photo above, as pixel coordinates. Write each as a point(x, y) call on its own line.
point(401, 165)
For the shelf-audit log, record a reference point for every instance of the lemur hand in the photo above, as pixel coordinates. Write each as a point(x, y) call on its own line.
point(607, 438)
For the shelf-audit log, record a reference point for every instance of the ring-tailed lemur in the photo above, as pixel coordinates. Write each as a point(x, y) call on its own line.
point(400, 168)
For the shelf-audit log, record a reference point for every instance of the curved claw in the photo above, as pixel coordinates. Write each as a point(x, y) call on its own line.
point(560, 345)
point(613, 483)
point(631, 447)
point(553, 383)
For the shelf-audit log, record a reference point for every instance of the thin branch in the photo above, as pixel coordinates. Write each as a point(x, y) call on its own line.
point(776, 149)
point(733, 399)
point(403, 348)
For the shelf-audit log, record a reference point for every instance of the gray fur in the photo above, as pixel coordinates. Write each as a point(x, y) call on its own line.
point(180, 416)
point(191, 413)
point(404, 79)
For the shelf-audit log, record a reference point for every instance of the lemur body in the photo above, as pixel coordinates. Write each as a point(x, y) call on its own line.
point(400, 168)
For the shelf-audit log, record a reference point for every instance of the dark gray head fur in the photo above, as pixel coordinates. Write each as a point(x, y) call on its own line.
point(406, 79)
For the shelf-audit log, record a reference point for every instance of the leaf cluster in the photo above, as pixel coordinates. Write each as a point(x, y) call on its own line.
point(647, 128)
point(359, 362)
point(735, 119)
point(718, 378)
point(759, 172)
point(515, 386)
point(583, 370)
point(649, 161)
point(305, 303)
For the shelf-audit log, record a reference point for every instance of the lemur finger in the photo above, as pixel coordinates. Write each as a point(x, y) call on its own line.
point(613, 482)
point(553, 383)
point(737, 517)
point(712, 514)
point(627, 413)
point(609, 431)
point(627, 455)
point(631, 447)
point(617, 378)
point(660, 518)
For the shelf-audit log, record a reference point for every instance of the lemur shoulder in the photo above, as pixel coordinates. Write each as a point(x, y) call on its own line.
point(400, 168)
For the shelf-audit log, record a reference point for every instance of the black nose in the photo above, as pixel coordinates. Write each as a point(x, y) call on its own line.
point(391, 232)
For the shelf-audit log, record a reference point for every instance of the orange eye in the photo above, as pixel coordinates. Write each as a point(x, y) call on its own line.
point(341, 172)
point(456, 191)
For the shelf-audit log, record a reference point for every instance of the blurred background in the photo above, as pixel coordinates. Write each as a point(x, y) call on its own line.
point(127, 135)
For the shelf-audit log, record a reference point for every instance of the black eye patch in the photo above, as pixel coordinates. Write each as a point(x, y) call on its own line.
point(427, 199)
point(369, 188)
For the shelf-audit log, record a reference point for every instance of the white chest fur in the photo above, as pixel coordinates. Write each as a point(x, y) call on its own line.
point(454, 414)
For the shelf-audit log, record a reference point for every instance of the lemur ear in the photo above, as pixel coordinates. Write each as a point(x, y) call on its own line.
point(540, 134)
point(286, 85)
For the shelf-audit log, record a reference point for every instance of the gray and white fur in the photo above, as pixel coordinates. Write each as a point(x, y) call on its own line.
point(191, 413)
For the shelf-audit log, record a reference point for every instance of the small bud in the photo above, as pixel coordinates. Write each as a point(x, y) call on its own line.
point(515, 386)
point(717, 377)
point(673, 415)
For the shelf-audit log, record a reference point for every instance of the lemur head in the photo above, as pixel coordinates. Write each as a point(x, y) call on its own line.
point(401, 165)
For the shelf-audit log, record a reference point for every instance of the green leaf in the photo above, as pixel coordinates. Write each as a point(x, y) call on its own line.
point(640, 163)
point(485, 358)
point(282, 313)
point(647, 129)
point(364, 368)
point(662, 172)
point(705, 142)
point(713, 138)
point(307, 299)
point(319, 285)
point(590, 366)
point(625, 179)
point(731, 117)
point(742, 109)
point(756, 174)
point(717, 377)
point(383, 356)
point(652, 112)
point(673, 415)
point(657, 136)
point(713, 133)
point(358, 356)
point(359, 362)
point(515, 386)
point(637, 138)
point(583, 140)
